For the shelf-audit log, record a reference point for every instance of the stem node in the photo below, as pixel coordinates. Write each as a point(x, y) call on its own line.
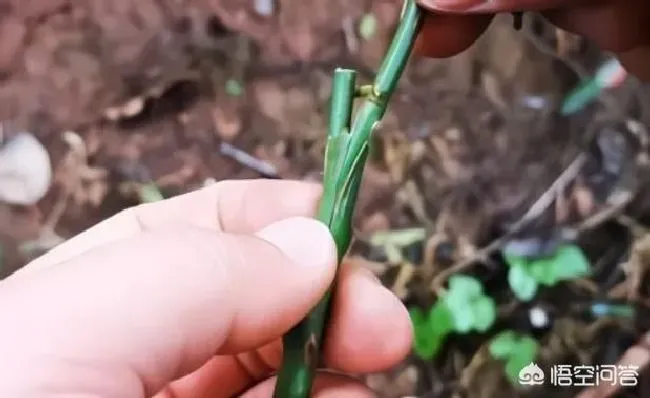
point(345, 157)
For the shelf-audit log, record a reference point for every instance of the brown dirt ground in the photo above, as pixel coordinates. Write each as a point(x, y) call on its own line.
point(144, 83)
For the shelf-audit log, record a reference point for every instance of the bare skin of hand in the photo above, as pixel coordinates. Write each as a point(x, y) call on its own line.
point(620, 26)
point(189, 297)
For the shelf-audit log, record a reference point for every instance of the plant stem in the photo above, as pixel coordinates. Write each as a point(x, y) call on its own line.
point(345, 157)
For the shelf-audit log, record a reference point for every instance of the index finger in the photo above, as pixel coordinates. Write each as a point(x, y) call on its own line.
point(232, 206)
point(496, 6)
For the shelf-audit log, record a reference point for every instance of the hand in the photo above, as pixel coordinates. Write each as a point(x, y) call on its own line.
point(620, 26)
point(188, 297)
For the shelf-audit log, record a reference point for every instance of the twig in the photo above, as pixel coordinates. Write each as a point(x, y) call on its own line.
point(260, 166)
point(636, 227)
point(547, 198)
point(481, 254)
point(351, 41)
point(606, 214)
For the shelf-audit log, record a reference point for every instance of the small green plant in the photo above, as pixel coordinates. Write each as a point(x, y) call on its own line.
point(368, 26)
point(149, 193)
point(517, 351)
point(431, 329)
point(234, 88)
point(464, 308)
point(525, 275)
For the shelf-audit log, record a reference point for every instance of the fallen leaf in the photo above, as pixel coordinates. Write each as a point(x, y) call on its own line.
point(227, 122)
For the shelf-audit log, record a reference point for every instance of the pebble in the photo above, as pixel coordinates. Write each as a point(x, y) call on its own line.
point(25, 170)
point(538, 317)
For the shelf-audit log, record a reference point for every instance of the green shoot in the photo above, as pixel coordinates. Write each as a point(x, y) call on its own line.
point(517, 351)
point(346, 152)
point(471, 309)
point(464, 308)
point(525, 275)
point(149, 192)
point(623, 311)
point(234, 88)
point(367, 26)
point(431, 329)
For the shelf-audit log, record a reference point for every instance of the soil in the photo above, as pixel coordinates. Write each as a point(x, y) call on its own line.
point(154, 87)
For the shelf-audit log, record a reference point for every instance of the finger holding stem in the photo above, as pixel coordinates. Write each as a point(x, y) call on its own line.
point(345, 157)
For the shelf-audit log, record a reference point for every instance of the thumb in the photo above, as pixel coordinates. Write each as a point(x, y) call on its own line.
point(134, 315)
point(272, 294)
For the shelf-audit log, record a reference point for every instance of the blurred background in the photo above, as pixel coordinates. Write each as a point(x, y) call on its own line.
point(509, 179)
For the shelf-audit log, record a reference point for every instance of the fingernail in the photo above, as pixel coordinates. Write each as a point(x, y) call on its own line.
point(306, 241)
point(454, 5)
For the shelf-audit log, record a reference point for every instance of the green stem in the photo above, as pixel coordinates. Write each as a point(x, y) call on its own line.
point(345, 156)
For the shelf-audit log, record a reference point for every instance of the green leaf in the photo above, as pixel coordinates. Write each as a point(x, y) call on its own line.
point(440, 318)
point(418, 319)
point(517, 352)
point(469, 308)
point(465, 286)
point(234, 88)
point(430, 332)
point(422, 339)
point(484, 313)
point(513, 260)
point(522, 283)
point(367, 26)
point(570, 263)
point(463, 319)
point(514, 365)
point(523, 354)
point(527, 349)
point(149, 193)
point(543, 271)
point(503, 344)
point(426, 348)
point(581, 96)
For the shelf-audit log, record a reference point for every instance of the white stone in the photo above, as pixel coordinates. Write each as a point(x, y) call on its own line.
point(538, 317)
point(25, 170)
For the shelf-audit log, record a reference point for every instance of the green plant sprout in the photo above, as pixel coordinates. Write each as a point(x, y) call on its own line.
point(368, 26)
point(149, 192)
point(525, 275)
point(345, 157)
point(234, 88)
point(613, 310)
point(515, 350)
point(431, 329)
point(462, 309)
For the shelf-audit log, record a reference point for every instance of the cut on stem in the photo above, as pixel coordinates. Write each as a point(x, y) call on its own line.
point(345, 157)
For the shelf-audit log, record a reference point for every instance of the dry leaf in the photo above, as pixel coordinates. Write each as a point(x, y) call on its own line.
point(227, 122)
